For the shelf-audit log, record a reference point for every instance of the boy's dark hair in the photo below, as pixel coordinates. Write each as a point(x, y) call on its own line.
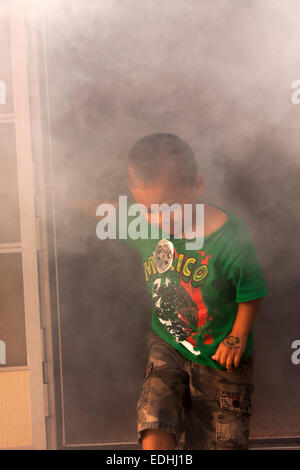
point(162, 157)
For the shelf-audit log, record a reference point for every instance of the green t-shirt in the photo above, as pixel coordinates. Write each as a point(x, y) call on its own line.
point(195, 302)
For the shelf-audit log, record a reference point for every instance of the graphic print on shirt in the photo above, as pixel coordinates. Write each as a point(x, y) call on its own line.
point(177, 298)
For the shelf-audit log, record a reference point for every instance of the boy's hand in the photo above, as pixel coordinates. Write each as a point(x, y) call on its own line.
point(230, 350)
point(87, 207)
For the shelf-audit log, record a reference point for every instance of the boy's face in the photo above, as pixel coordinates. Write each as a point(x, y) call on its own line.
point(165, 193)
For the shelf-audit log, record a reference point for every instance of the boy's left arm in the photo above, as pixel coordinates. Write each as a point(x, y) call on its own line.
point(231, 349)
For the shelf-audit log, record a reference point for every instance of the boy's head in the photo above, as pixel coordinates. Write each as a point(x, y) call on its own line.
point(161, 158)
point(162, 169)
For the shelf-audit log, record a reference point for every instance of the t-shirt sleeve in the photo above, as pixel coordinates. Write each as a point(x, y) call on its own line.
point(245, 271)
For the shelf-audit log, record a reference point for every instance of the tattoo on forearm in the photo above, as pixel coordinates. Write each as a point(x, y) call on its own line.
point(232, 342)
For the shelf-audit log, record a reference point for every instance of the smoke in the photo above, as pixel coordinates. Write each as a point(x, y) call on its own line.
point(219, 75)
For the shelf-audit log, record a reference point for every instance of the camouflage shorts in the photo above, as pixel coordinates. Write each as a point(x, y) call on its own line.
point(207, 407)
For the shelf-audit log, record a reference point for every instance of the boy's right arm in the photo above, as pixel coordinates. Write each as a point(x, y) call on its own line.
point(88, 207)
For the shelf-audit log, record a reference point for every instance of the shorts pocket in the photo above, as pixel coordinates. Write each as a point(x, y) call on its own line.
point(234, 413)
point(144, 397)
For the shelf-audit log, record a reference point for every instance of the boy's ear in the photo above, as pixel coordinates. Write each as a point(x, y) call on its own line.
point(200, 183)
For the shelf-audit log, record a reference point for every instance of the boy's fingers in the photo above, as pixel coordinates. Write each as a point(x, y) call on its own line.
point(227, 357)
point(223, 357)
point(230, 359)
point(217, 354)
point(237, 359)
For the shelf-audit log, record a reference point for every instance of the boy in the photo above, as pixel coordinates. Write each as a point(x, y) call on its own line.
point(199, 374)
